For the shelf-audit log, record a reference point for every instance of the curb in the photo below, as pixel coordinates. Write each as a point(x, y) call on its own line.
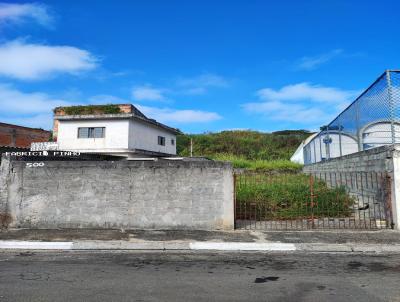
point(198, 246)
point(36, 245)
point(242, 246)
point(124, 245)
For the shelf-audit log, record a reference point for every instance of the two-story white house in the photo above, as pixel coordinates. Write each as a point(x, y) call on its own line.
point(120, 130)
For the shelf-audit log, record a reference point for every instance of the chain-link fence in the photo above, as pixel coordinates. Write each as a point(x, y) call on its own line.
point(372, 120)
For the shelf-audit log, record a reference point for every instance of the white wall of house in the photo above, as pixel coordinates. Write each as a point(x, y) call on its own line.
point(121, 135)
point(145, 136)
point(116, 135)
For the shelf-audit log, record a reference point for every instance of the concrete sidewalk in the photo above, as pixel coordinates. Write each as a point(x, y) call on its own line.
point(239, 240)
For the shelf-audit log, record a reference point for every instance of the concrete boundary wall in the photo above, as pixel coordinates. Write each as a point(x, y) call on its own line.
point(373, 160)
point(385, 159)
point(121, 194)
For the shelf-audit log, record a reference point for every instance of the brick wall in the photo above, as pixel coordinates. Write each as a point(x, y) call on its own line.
point(125, 108)
point(18, 136)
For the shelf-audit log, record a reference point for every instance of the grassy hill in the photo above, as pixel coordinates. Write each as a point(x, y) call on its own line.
point(246, 149)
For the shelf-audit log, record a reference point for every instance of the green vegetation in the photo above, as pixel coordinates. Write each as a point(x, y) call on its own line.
point(258, 164)
point(271, 187)
point(248, 144)
point(246, 149)
point(90, 109)
point(285, 196)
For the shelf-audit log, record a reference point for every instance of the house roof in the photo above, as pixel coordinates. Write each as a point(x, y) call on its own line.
point(23, 127)
point(134, 113)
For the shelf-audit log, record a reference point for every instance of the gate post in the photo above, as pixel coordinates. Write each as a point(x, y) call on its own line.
point(312, 200)
point(234, 200)
point(395, 189)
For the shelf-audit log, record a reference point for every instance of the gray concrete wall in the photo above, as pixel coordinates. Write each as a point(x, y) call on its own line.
point(371, 177)
point(4, 177)
point(373, 160)
point(123, 194)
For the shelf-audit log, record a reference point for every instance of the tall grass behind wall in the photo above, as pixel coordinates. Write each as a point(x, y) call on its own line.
point(252, 145)
point(290, 196)
point(241, 162)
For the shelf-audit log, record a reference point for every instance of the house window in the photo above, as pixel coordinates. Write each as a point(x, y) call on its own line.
point(161, 140)
point(172, 142)
point(91, 132)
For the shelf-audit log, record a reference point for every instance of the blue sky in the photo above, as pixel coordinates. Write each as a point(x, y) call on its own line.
point(196, 65)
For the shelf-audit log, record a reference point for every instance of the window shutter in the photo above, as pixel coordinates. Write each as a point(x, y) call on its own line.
point(98, 132)
point(83, 132)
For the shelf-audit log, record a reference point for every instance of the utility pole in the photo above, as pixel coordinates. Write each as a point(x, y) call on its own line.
point(191, 147)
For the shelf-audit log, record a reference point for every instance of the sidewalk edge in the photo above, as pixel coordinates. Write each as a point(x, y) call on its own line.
point(198, 246)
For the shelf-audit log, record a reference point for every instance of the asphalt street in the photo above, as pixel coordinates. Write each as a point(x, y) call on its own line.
point(178, 276)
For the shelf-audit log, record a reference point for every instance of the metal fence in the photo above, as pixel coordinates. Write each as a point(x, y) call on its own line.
point(372, 120)
point(331, 200)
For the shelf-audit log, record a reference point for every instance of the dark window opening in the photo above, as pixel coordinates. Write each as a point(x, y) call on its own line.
point(161, 140)
point(91, 132)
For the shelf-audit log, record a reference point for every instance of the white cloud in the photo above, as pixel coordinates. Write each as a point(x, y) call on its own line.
point(34, 109)
point(106, 99)
point(198, 85)
point(164, 114)
point(302, 103)
point(147, 93)
point(169, 115)
point(17, 13)
point(310, 63)
point(280, 111)
point(27, 109)
point(25, 61)
point(17, 102)
point(204, 80)
point(306, 91)
point(195, 91)
point(44, 121)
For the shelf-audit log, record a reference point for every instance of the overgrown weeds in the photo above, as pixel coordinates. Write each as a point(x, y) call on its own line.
point(288, 196)
point(241, 162)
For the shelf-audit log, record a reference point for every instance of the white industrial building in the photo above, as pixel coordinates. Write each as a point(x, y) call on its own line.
point(334, 143)
point(128, 133)
point(298, 155)
point(370, 121)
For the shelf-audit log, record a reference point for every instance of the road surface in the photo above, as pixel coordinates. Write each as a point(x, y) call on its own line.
point(166, 276)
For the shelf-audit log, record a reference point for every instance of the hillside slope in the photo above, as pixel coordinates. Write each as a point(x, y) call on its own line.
point(249, 145)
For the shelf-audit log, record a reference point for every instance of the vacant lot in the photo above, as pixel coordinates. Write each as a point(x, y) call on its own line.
point(287, 196)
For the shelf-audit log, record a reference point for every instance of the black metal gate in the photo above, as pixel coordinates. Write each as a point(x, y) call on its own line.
point(339, 200)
